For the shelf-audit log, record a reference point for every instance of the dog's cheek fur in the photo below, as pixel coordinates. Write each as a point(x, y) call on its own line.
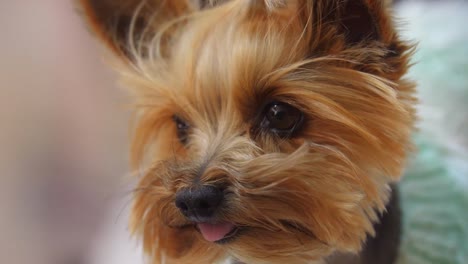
point(319, 194)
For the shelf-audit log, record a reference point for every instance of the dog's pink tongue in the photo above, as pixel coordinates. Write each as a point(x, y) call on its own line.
point(215, 232)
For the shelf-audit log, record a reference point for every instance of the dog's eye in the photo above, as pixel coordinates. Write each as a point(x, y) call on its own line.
point(281, 118)
point(182, 129)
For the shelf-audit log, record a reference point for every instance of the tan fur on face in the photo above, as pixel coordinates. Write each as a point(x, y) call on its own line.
point(298, 199)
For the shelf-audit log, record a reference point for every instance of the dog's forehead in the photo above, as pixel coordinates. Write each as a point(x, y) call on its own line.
point(218, 60)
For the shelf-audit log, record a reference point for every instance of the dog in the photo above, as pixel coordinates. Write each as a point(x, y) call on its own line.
point(266, 131)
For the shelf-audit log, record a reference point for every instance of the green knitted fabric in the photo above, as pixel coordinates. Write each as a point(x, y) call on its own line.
point(435, 208)
point(434, 190)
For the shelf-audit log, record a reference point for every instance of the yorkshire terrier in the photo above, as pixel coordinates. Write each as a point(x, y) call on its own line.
point(272, 131)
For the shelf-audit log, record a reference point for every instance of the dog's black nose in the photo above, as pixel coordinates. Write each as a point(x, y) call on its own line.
point(200, 203)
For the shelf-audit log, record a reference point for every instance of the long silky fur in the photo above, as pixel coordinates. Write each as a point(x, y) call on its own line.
point(297, 200)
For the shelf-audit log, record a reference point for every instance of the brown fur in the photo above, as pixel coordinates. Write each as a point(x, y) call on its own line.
point(216, 64)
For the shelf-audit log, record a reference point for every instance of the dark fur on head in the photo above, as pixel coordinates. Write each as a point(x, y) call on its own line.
point(216, 65)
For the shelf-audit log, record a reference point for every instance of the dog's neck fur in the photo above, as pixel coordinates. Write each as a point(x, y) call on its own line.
point(383, 248)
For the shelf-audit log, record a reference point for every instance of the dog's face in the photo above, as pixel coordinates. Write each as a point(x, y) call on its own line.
point(271, 128)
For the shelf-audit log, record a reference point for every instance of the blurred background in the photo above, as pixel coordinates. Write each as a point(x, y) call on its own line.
point(64, 185)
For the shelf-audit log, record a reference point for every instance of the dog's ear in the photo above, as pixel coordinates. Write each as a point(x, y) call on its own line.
point(366, 24)
point(126, 26)
point(364, 20)
point(363, 28)
point(358, 21)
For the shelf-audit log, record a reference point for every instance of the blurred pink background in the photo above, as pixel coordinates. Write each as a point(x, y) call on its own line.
point(63, 137)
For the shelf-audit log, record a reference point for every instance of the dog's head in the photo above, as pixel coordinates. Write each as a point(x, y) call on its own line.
point(270, 128)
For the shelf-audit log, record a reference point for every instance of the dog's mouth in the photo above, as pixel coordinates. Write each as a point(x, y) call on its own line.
point(222, 232)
